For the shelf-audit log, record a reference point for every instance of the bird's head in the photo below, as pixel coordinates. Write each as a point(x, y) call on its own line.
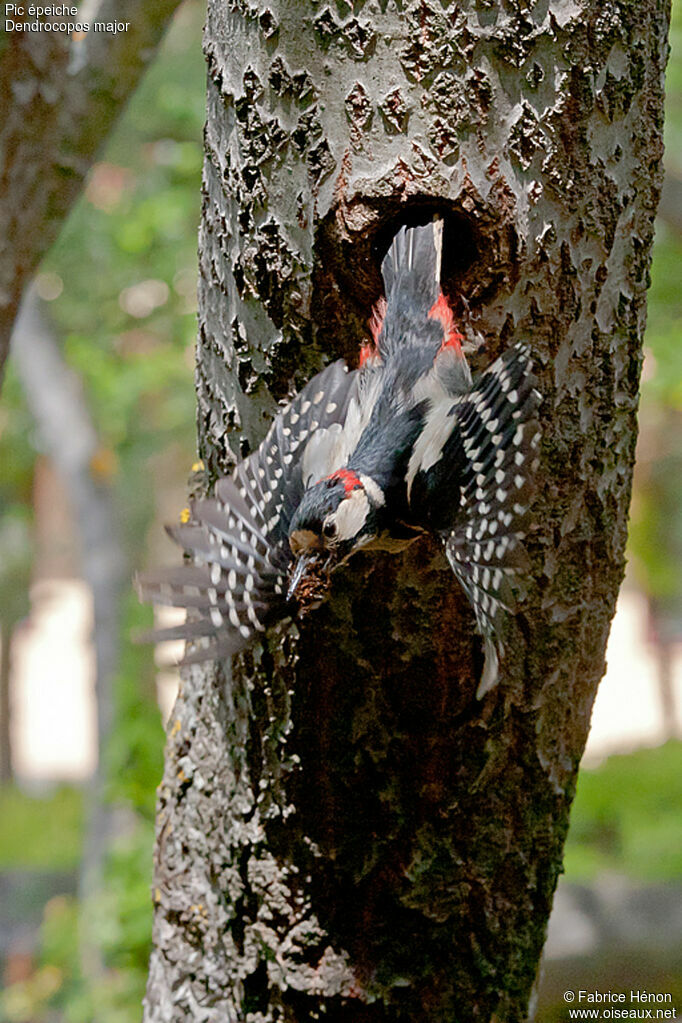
point(335, 517)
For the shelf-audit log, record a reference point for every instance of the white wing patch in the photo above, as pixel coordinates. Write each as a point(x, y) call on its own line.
point(428, 449)
point(326, 451)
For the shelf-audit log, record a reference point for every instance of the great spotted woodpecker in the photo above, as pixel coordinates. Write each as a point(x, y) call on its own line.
point(370, 458)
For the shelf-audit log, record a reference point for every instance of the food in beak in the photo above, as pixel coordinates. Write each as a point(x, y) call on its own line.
point(308, 582)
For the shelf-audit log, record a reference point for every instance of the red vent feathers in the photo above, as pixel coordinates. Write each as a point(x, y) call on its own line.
point(370, 349)
point(441, 311)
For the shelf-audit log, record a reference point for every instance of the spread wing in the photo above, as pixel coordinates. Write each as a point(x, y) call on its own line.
point(236, 584)
point(499, 435)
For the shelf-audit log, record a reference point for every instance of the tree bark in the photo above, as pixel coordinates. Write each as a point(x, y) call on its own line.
point(61, 97)
point(344, 832)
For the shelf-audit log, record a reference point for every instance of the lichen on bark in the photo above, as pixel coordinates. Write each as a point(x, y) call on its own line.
point(344, 832)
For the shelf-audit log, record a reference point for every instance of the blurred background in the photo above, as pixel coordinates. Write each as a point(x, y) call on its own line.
point(96, 445)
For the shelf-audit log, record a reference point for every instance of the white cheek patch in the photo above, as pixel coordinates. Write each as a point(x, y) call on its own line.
point(351, 515)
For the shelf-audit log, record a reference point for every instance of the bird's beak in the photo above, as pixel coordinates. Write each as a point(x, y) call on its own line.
point(304, 561)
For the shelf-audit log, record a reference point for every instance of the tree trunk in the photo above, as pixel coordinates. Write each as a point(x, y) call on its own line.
point(61, 96)
point(344, 832)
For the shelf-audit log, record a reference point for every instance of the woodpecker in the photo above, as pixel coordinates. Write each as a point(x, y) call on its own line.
point(370, 459)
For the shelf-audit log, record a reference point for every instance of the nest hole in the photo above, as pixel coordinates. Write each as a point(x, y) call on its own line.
point(460, 248)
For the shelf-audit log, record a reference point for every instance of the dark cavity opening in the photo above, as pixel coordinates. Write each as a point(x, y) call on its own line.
point(460, 248)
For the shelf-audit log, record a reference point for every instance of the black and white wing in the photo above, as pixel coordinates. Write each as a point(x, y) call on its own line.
point(237, 583)
point(500, 435)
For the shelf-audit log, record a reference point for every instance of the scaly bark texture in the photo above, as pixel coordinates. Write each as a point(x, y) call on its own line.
point(344, 832)
point(60, 98)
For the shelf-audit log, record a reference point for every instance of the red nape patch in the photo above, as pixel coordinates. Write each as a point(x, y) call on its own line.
point(441, 311)
point(348, 478)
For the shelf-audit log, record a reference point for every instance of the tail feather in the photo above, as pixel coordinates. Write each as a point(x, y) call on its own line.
point(411, 273)
point(415, 252)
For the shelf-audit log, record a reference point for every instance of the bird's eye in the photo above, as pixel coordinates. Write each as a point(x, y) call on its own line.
point(329, 529)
